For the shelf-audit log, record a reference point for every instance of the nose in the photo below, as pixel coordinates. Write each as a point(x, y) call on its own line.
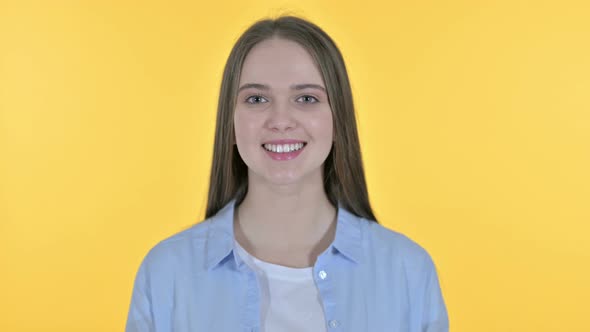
point(280, 117)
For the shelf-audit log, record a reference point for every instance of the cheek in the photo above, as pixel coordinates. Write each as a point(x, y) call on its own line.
point(322, 126)
point(240, 124)
point(246, 127)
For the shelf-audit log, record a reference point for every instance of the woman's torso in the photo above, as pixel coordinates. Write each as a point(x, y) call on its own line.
point(369, 279)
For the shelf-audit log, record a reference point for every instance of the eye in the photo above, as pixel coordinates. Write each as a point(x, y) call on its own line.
point(307, 99)
point(256, 99)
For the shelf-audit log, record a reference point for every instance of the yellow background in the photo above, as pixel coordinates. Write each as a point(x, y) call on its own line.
point(474, 119)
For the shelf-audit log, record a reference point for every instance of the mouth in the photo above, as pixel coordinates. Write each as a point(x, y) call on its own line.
point(284, 148)
point(284, 151)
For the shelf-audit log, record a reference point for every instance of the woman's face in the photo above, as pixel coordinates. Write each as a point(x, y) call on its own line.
point(282, 106)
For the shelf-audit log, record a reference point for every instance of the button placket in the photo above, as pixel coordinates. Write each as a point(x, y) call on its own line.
point(251, 308)
point(326, 290)
point(334, 323)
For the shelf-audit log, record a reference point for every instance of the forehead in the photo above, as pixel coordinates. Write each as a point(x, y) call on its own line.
point(279, 63)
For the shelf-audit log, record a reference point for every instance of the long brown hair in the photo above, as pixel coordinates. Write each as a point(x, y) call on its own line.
point(344, 178)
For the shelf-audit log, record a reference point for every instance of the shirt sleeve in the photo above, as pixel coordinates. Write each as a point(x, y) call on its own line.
point(435, 312)
point(140, 317)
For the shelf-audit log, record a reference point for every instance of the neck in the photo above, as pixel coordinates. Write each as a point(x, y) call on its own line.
point(298, 217)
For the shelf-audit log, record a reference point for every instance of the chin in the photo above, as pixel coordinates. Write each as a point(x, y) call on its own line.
point(284, 180)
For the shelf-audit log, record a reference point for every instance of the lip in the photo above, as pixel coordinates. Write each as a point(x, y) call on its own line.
point(285, 156)
point(284, 141)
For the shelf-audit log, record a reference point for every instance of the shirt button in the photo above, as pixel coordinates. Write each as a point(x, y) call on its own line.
point(334, 323)
point(323, 274)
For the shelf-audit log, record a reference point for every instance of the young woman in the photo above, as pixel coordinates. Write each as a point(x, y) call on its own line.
point(289, 242)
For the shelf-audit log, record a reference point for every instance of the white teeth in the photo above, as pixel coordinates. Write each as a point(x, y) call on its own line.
point(283, 148)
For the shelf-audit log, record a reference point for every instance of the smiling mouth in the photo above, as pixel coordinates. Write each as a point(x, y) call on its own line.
point(284, 148)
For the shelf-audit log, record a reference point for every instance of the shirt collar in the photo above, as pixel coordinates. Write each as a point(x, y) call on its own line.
point(220, 235)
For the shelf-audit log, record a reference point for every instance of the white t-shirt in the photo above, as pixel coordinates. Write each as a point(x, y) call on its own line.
point(290, 301)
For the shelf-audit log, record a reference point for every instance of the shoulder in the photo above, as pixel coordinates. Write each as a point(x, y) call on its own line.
point(167, 266)
point(405, 264)
point(181, 250)
point(393, 246)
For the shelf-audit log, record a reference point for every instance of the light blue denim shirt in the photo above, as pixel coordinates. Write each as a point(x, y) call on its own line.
point(370, 279)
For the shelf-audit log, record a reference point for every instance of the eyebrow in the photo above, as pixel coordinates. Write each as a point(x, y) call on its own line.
point(293, 87)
